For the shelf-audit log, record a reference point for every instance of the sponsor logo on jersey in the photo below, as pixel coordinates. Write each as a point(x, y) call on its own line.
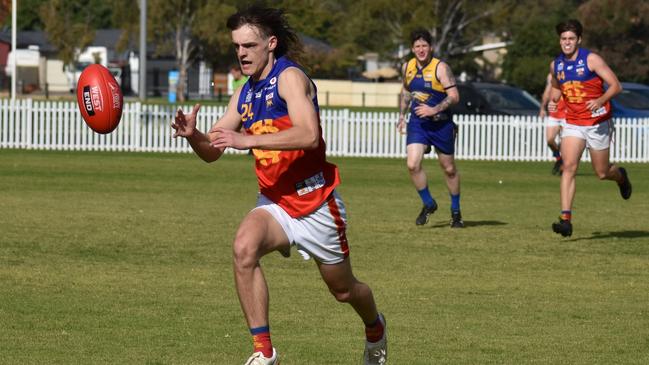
point(308, 185)
point(580, 71)
point(258, 95)
point(273, 80)
point(569, 67)
point(599, 112)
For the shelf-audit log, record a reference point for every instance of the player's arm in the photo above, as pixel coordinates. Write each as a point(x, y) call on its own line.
point(555, 92)
point(446, 78)
point(404, 101)
point(545, 98)
point(599, 66)
point(296, 89)
point(185, 126)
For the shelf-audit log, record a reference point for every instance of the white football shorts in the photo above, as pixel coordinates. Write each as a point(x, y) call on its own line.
point(321, 234)
point(598, 136)
point(555, 122)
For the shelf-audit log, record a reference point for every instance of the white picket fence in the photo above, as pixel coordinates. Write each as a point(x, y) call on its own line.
point(57, 125)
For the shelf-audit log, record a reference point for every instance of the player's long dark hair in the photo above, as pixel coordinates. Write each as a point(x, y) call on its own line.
point(271, 22)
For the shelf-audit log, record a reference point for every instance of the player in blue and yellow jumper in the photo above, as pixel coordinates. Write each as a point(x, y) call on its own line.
point(429, 89)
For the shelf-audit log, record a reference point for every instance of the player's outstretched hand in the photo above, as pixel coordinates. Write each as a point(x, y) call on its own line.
point(185, 124)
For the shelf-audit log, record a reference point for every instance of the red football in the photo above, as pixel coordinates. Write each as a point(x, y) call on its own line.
point(100, 99)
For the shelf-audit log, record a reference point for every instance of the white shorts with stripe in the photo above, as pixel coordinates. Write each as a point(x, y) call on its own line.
point(598, 136)
point(321, 234)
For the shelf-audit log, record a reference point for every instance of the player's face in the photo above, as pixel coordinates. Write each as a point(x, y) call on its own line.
point(422, 50)
point(253, 50)
point(569, 43)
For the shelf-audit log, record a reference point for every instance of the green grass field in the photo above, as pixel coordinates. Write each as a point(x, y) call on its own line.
point(119, 258)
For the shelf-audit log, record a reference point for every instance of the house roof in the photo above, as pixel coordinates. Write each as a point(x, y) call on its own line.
point(103, 38)
point(108, 38)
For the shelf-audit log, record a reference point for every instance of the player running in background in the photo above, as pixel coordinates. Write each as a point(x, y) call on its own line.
point(298, 204)
point(428, 91)
point(554, 121)
point(579, 76)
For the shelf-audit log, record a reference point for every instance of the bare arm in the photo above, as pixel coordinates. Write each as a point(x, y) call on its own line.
point(545, 98)
point(555, 90)
point(599, 66)
point(296, 88)
point(404, 102)
point(185, 126)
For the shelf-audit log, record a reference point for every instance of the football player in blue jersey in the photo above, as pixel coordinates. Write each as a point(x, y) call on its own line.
point(429, 89)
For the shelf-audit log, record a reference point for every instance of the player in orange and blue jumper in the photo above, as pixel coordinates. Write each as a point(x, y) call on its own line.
point(578, 76)
point(429, 89)
point(298, 204)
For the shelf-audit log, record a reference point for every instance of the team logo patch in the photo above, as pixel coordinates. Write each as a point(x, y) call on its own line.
point(560, 66)
point(420, 96)
point(249, 96)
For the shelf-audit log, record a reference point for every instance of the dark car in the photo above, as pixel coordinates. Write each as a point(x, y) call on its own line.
point(632, 102)
point(494, 99)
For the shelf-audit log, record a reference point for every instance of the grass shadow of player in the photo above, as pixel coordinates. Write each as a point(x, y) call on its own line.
point(469, 224)
point(617, 234)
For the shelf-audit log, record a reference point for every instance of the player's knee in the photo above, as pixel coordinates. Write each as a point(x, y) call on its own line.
point(243, 253)
point(343, 295)
point(569, 170)
point(413, 167)
point(450, 171)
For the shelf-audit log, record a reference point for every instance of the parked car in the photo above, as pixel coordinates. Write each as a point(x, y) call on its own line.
point(494, 99)
point(632, 102)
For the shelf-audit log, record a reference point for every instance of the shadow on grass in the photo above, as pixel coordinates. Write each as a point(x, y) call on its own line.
point(618, 234)
point(470, 224)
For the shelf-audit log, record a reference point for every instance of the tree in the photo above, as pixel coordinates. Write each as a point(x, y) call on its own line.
point(534, 42)
point(27, 16)
point(68, 24)
point(184, 26)
point(619, 32)
point(5, 10)
point(456, 25)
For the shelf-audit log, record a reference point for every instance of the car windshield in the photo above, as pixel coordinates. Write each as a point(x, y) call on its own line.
point(634, 98)
point(509, 98)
